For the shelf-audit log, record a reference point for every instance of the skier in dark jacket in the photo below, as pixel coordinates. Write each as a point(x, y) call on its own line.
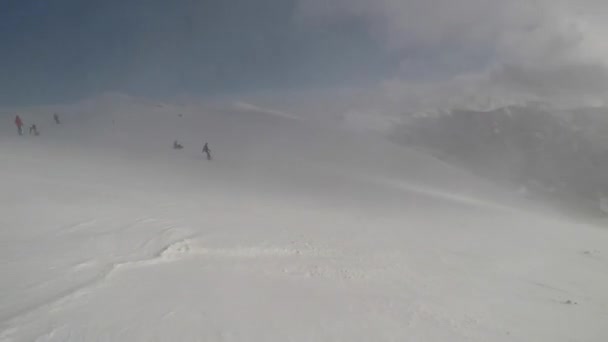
point(177, 145)
point(19, 124)
point(34, 130)
point(207, 151)
point(56, 118)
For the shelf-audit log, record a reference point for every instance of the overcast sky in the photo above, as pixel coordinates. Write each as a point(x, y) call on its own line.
point(67, 49)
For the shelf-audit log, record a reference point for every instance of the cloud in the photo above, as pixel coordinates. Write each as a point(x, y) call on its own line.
point(546, 50)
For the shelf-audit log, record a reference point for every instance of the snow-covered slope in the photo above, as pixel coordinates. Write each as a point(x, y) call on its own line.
point(293, 232)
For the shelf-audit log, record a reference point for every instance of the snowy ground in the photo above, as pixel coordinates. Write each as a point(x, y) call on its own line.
point(292, 233)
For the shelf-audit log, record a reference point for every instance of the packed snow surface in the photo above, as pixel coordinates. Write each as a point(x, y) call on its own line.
point(294, 232)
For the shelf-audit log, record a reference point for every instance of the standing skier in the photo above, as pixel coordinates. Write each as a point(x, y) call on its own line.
point(56, 118)
point(207, 151)
point(19, 124)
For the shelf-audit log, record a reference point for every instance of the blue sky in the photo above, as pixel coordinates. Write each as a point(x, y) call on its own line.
point(59, 50)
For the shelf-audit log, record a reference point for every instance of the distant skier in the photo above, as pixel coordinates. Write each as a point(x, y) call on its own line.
point(34, 130)
point(177, 145)
point(207, 151)
point(56, 118)
point(19, 124)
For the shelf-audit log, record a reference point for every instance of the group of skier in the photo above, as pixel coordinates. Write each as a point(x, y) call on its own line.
point(33, 129)
point(178, 146)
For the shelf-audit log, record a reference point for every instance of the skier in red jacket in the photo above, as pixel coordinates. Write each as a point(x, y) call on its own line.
point(19, 124)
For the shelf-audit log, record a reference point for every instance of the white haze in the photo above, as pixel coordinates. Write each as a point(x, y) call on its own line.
point(479, 53)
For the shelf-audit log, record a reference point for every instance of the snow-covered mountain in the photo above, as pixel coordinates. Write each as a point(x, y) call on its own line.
point(563, 152)
point(295, 231)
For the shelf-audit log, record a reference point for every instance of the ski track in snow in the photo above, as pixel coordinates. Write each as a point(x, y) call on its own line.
point(434, 193)
point(81, 290)
point(174, 252)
